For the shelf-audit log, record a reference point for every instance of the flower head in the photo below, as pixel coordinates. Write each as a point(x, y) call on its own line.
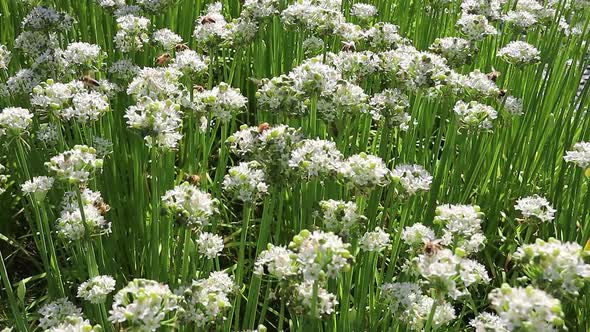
point(96, 289)
point(54, 313)
point(528, 308)
point(519, 53)
point(38, 187)
point(14, 121)
point(375, 241)
point(580, 155)
point(537, 207)
point(364, 171)
point(209, 245)
point(189, 204)
point(246, 182)
point(144, 304)
point(76, 165)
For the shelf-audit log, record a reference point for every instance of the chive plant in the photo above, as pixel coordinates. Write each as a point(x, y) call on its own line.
point(294, 165)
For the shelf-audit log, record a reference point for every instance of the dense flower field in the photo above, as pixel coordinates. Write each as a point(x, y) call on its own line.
point(294, 165)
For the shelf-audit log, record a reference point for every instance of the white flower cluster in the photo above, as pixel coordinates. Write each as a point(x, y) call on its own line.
point(363, 11)
point(206, 301)
point(157, 83)
point(48, 134)
point(223, 102)
point(560, 267)
point(385, 36)
point(279, 95)
point(246, 182)
point(527, 309)
point(365, 172)
point(315, 158)
point(38, 187)
point(417, 235)
point(319, 17)
point(514, 106)
point(74, 224)
point(271, 146)
point(475, 27)
point(74, 324)
point(190, 205)
point(340, 216)
point(411, 178)
point(320, 255)
point(474, 115)
point(54, 313)
point(406, 301)
point(475, 85)
point(76, 165)
point(5, 56)
point(143, 304)
point(449, 273)
point(390, 105)
point(132, 33)
point(211, 28)
point(355, 66)
point(313, 77)
point(535, 207)
point(103, 147)
point(166, 38)
point(158, 121)
point(519, 53)
point(580, 155)
point(276, 261)
point(487, 321)
point(209, 245)
point(124, 69)
point(413, 69)
point(462, 227)
point(259, 9)
point(375, 241)
point(326, 302)
point(35, 44)
point(23, 82)
point(46, 19)
point(14, 121)
point(82, 54)
point(96, 289)
point(489, 8)
point(70, 101)
point(190, 62)
point(457, 51)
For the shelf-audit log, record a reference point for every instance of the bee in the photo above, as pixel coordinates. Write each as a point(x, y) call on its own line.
point(199, 88)
point(89, 81)
point(431, 247)
point(207, 19)
point(348, 46)
point(162, 59)
point(101, 206)
point(180, 47)
point(493, 75)
point(193, 179)
point(502, 92)
point(263, 126)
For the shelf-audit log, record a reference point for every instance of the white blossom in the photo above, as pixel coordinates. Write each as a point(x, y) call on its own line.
point(209, 245)
point(96, 289)
point(190, 205)
point(519, 53)
point(527, 308)
point(535, 206)
point(143, 304)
